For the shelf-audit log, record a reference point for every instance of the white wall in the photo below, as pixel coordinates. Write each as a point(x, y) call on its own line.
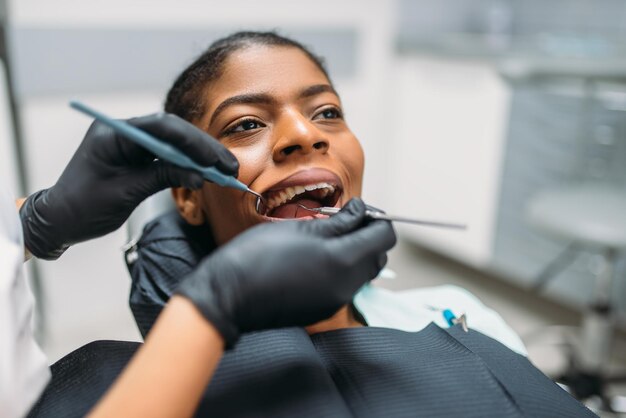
point(450, 126)
point(8, 165)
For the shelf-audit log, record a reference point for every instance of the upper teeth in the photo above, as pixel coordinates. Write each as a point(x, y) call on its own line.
point(280, 197)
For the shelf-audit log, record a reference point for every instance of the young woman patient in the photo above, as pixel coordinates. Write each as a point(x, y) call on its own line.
point(271, 102)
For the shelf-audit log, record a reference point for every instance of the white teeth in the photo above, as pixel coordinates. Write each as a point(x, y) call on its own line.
point(289, 193)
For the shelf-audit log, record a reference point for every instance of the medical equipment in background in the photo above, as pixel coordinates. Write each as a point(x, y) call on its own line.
point(586, 213)
point(513, 135)
point(165, 151)
point(592, 217)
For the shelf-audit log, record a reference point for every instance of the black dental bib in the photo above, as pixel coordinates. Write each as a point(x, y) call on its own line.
point(379, 372)
point(356, 372)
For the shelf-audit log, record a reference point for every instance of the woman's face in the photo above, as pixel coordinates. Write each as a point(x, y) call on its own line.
point(278, 114)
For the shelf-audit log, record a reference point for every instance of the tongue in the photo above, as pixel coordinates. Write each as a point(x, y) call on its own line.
point(292, 210)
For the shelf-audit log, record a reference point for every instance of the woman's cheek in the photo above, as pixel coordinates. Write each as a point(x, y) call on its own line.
point(223, 212)
point(354, 161)
point(252, 160)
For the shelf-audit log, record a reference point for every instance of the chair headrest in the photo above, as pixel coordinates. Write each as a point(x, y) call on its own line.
point(168, 250)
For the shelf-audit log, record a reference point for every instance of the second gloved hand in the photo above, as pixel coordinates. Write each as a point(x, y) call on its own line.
point(108, 177)
point(291, 273)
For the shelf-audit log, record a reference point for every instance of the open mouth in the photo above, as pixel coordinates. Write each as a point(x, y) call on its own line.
point(284, 199)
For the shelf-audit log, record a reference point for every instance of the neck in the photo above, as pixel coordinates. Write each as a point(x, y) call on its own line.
point(344, 318)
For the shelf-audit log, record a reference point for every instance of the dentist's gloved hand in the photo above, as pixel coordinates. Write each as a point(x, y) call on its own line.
point(289, 273)
point(108, 177)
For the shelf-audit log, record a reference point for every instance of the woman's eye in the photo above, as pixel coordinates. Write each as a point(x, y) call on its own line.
point(248, 124)
point(244, 125)
point(329, 113)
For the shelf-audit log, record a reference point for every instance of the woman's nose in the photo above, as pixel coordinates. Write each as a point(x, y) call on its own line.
point(298, 135)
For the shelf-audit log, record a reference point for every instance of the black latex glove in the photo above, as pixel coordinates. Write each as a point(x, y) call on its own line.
point(290, 273)
point(108, 177)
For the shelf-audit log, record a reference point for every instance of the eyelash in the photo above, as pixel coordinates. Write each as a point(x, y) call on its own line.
point(339, 113)
point(233, 129)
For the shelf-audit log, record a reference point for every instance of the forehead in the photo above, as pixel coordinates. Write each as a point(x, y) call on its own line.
point(273, 69)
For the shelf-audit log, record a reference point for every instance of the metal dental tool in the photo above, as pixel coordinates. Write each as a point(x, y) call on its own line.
point(165, 151)
point(383, 216)
point(451, 318)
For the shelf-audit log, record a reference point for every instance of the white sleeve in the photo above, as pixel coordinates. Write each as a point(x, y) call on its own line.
point(24, 368)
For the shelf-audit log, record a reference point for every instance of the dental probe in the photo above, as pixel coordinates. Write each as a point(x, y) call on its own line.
point(165, 151)
point(372, 214)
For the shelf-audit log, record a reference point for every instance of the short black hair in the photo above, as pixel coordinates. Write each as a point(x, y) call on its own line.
point(185, 97)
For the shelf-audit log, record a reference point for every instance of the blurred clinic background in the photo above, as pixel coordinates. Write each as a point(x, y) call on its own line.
point(507, 115)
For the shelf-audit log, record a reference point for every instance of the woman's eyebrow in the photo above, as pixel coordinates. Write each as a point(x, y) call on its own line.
point(318, 89)
point(264, 98)
point(254, 98)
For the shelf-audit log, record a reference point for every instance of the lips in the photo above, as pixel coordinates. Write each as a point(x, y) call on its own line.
point(312, 188)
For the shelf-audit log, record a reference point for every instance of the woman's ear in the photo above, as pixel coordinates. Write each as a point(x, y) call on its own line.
point(188, 205)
